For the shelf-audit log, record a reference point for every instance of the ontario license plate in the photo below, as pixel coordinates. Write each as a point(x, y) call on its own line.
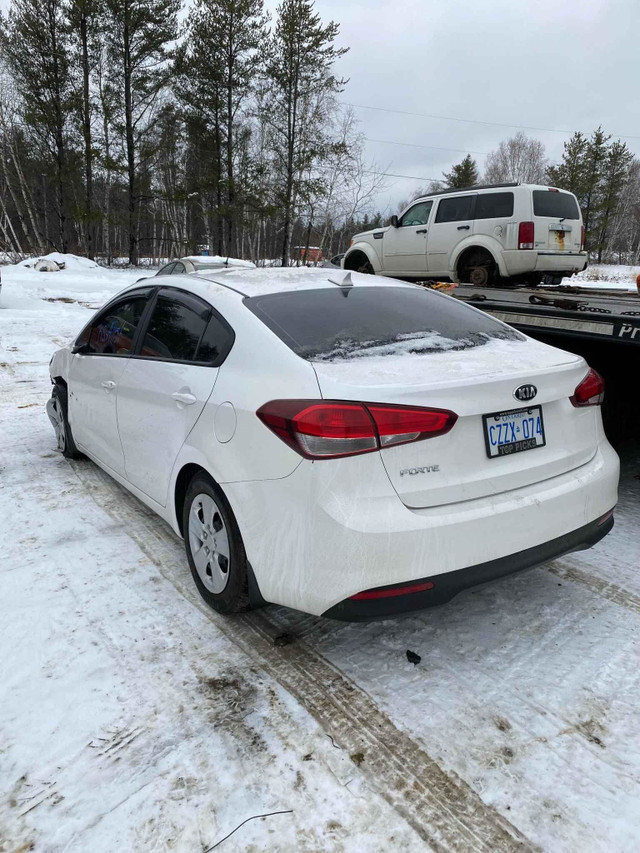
point(513, 431)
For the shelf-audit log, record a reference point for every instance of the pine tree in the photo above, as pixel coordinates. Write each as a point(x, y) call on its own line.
point(569, 173)
point(301, 85)
point(34, 45)
point(216, 67)
point(615, 176)
point(139, 34)
point(464, 175)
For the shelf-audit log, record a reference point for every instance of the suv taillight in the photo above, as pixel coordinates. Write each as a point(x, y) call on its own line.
point(582, 239)
point(526, 233)
point(590, 392)
point(330, 429)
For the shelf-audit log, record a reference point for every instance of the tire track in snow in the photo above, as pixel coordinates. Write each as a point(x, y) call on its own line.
point(446, 812)
point(603, 588)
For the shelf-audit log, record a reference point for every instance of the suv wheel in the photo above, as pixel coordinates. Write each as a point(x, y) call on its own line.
point(478, 268)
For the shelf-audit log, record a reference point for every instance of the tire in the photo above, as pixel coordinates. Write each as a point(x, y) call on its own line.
point(57, 409)
point(220, 573)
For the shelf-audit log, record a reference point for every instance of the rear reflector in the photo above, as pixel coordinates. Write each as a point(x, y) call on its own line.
point(582, 239)
point(605, 518)
point(590, 392)
point(526, 232)
point(391, 592)
point(330, 429)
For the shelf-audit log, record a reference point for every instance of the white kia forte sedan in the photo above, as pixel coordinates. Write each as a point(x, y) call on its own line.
point(338, 443)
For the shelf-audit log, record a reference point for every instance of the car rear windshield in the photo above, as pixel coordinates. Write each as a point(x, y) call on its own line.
point(340, 324)
point(549, 203)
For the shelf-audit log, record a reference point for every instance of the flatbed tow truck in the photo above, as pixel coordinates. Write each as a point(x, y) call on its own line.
point(601, 325)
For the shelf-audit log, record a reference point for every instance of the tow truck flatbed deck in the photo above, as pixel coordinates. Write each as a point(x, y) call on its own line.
point(572, 312)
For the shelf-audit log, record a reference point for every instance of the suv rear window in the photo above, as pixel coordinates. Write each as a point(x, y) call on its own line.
point(561, 205)
point(339, 324)
point(494, 205)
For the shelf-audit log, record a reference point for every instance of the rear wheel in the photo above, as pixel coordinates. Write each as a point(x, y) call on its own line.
point(214, 547)
point(478, 268)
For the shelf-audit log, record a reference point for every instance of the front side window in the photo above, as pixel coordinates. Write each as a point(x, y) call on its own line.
point(174, 331)
point(494, 205)
point(178, 268)
point(113, 331)
point(417, 215)
point(167, 269)
point(456, 209)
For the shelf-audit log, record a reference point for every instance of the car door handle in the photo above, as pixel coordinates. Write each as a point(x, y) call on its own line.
point(463, 227)
point(184, 399)
point(421, 231)
point(108, 385)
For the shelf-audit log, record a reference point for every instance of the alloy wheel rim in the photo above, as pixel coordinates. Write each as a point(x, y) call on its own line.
point(209, 543)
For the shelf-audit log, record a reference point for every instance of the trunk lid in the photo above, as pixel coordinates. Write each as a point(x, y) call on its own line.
point(472, 383)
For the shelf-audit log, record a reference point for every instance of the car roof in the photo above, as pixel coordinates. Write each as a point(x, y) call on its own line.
point(260, 282)
point(226, 288)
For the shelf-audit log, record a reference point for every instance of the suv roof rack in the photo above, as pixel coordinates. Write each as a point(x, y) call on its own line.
point(468, 189)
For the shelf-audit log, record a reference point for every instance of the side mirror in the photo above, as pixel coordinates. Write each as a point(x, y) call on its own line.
point(79, 348)
point(394, 221)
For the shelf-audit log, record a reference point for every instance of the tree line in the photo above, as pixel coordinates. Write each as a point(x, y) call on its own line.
point(127, 134)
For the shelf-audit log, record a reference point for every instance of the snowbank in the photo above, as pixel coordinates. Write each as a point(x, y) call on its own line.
point(65, 261)
point(81, 280)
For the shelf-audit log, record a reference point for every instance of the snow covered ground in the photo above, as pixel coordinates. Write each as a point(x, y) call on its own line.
point(133, 718)
point(607, 277)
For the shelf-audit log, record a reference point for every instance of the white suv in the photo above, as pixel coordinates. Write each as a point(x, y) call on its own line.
point(483, 235)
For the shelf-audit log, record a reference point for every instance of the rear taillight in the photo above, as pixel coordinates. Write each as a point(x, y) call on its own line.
point(328, 429)
point(526, 237)
point(582, 239)
point(590, 392)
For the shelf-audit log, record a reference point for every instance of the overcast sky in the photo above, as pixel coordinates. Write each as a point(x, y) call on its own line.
point(556, 64)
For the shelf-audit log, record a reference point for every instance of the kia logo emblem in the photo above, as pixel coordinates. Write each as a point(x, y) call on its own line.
point(525, 393)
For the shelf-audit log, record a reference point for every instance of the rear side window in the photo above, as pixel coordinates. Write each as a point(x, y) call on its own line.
point(556, 204)
point(455, 209)
point(216, 342)
point(340, 324)
point(174, 331)
point(178, 268)
point(166, 270)
point(113, 332)
point(494, 205)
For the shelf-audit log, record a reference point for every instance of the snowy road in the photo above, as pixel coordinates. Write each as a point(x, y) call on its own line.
point(133, 718)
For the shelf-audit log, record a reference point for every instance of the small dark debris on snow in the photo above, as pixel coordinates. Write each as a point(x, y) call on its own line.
point(357, 758)
point(413, 658)
point(502, 724)
point(308, 757)
point(283, 640)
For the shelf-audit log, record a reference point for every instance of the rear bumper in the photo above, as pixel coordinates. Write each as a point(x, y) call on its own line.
point(329, 531)
point(523, 261)
point(389, 601)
